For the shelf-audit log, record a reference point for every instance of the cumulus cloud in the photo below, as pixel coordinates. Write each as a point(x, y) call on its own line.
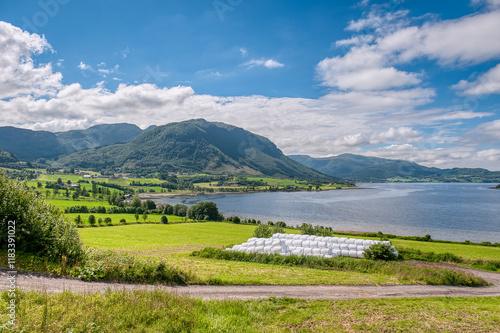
point(487, 83)
point(18, 73)
point(268, 63)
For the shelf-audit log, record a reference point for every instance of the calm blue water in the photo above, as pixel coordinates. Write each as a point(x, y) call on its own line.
point(445, 211)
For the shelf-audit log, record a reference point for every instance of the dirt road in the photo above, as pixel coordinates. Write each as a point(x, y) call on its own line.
point(50, 284)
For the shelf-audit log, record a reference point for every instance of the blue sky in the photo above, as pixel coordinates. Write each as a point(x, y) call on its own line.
point(415, 80)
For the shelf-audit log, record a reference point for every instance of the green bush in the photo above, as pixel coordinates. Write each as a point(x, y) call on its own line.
point(40, 228)
point(266, 231)
point(380, 251)
point(164, 219)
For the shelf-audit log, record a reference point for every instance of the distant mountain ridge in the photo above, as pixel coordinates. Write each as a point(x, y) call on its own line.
point(360, 168)
point(197, 146)
point(29, 145)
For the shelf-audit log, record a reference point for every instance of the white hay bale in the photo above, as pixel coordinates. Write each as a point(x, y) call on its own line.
point(359, 241)
point(350, 240)
point(335, 246)
point(288, 242)
point(276, 249)
point(276, 242)
point(360, 254)
point(353, 247)
point(289, 236)
point(298, 251)
point(353, 254)
point(334, 240)
point(259, 249)
point(316, 252)
point(336, 253)
point(297, 242)
point(360, 248)
point(250, 243)
point(313, 244)
point(267, 249)
point(367, 242)
point(311, 237)
point(236, 248)
point(325, 251)
point(250, 249)
point(297, 236)
point(344, 253)
point(342, 240)
point(308, 251)
point(344, 246)
point(321, 244)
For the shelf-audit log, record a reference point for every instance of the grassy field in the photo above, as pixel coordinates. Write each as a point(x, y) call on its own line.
point(157, 311)
point(175, 242)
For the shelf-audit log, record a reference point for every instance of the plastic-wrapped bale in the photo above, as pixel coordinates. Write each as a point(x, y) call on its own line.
point(297, 236)
point(359, 241)
point(350, 241)
point(342, 240)
point(336, 253)
point(344, 246)
point(267, 249)
point(311, 237)
point(259, 242)
point(353, 253)
point(313, 244)
point(360, 248)
point(236, 248)
point(316, 252)
point(298, 251)
point(325, 251)
point(275, 250)
point(352, 247)
point(321, 244)
point(308, 251)
point(306, 243)
point(334, 240)
point(259, 248)
point(335, 246)
point(344, 253)
point(250, 249)
point(359, 254)
point(367, 242)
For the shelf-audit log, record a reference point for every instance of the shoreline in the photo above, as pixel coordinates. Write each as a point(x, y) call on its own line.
point(145, 196)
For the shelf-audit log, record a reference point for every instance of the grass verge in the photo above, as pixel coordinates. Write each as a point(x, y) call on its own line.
point(155, 311)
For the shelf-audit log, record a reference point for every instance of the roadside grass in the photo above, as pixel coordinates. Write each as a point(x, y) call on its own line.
point(157, 311)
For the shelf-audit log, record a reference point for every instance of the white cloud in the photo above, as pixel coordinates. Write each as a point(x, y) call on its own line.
point(268, 63)
point(18, 74)
point(84, 67)
point(468, 40)
point(487, 83)
point(441, 157)
point(243, 51)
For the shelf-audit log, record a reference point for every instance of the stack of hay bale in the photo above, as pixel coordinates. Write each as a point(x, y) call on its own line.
point(326, 247)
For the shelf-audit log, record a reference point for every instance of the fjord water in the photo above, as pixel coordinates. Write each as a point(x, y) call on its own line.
point(449, 211)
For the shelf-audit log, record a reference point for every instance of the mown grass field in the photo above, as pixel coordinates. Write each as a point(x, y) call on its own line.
point(157, 311)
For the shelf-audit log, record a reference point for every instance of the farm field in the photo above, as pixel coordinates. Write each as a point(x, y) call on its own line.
point(174, 243)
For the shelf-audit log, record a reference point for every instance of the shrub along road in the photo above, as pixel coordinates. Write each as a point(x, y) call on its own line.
point(51, 284)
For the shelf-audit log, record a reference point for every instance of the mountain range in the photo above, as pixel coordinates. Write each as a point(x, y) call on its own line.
point(29, 145)
point(201, 146)
point(195, 146)
point(358, 168)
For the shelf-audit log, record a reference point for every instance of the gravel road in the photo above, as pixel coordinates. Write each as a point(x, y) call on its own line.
point(54, 284)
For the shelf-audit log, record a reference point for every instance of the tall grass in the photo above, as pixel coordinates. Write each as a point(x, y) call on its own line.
point(403, 271)
point(155, 311)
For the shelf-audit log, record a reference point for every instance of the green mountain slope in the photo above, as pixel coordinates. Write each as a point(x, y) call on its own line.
point(373, 169)
point(98, 136)
point(6, 157)
point(31, 145)
point(195, 146)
